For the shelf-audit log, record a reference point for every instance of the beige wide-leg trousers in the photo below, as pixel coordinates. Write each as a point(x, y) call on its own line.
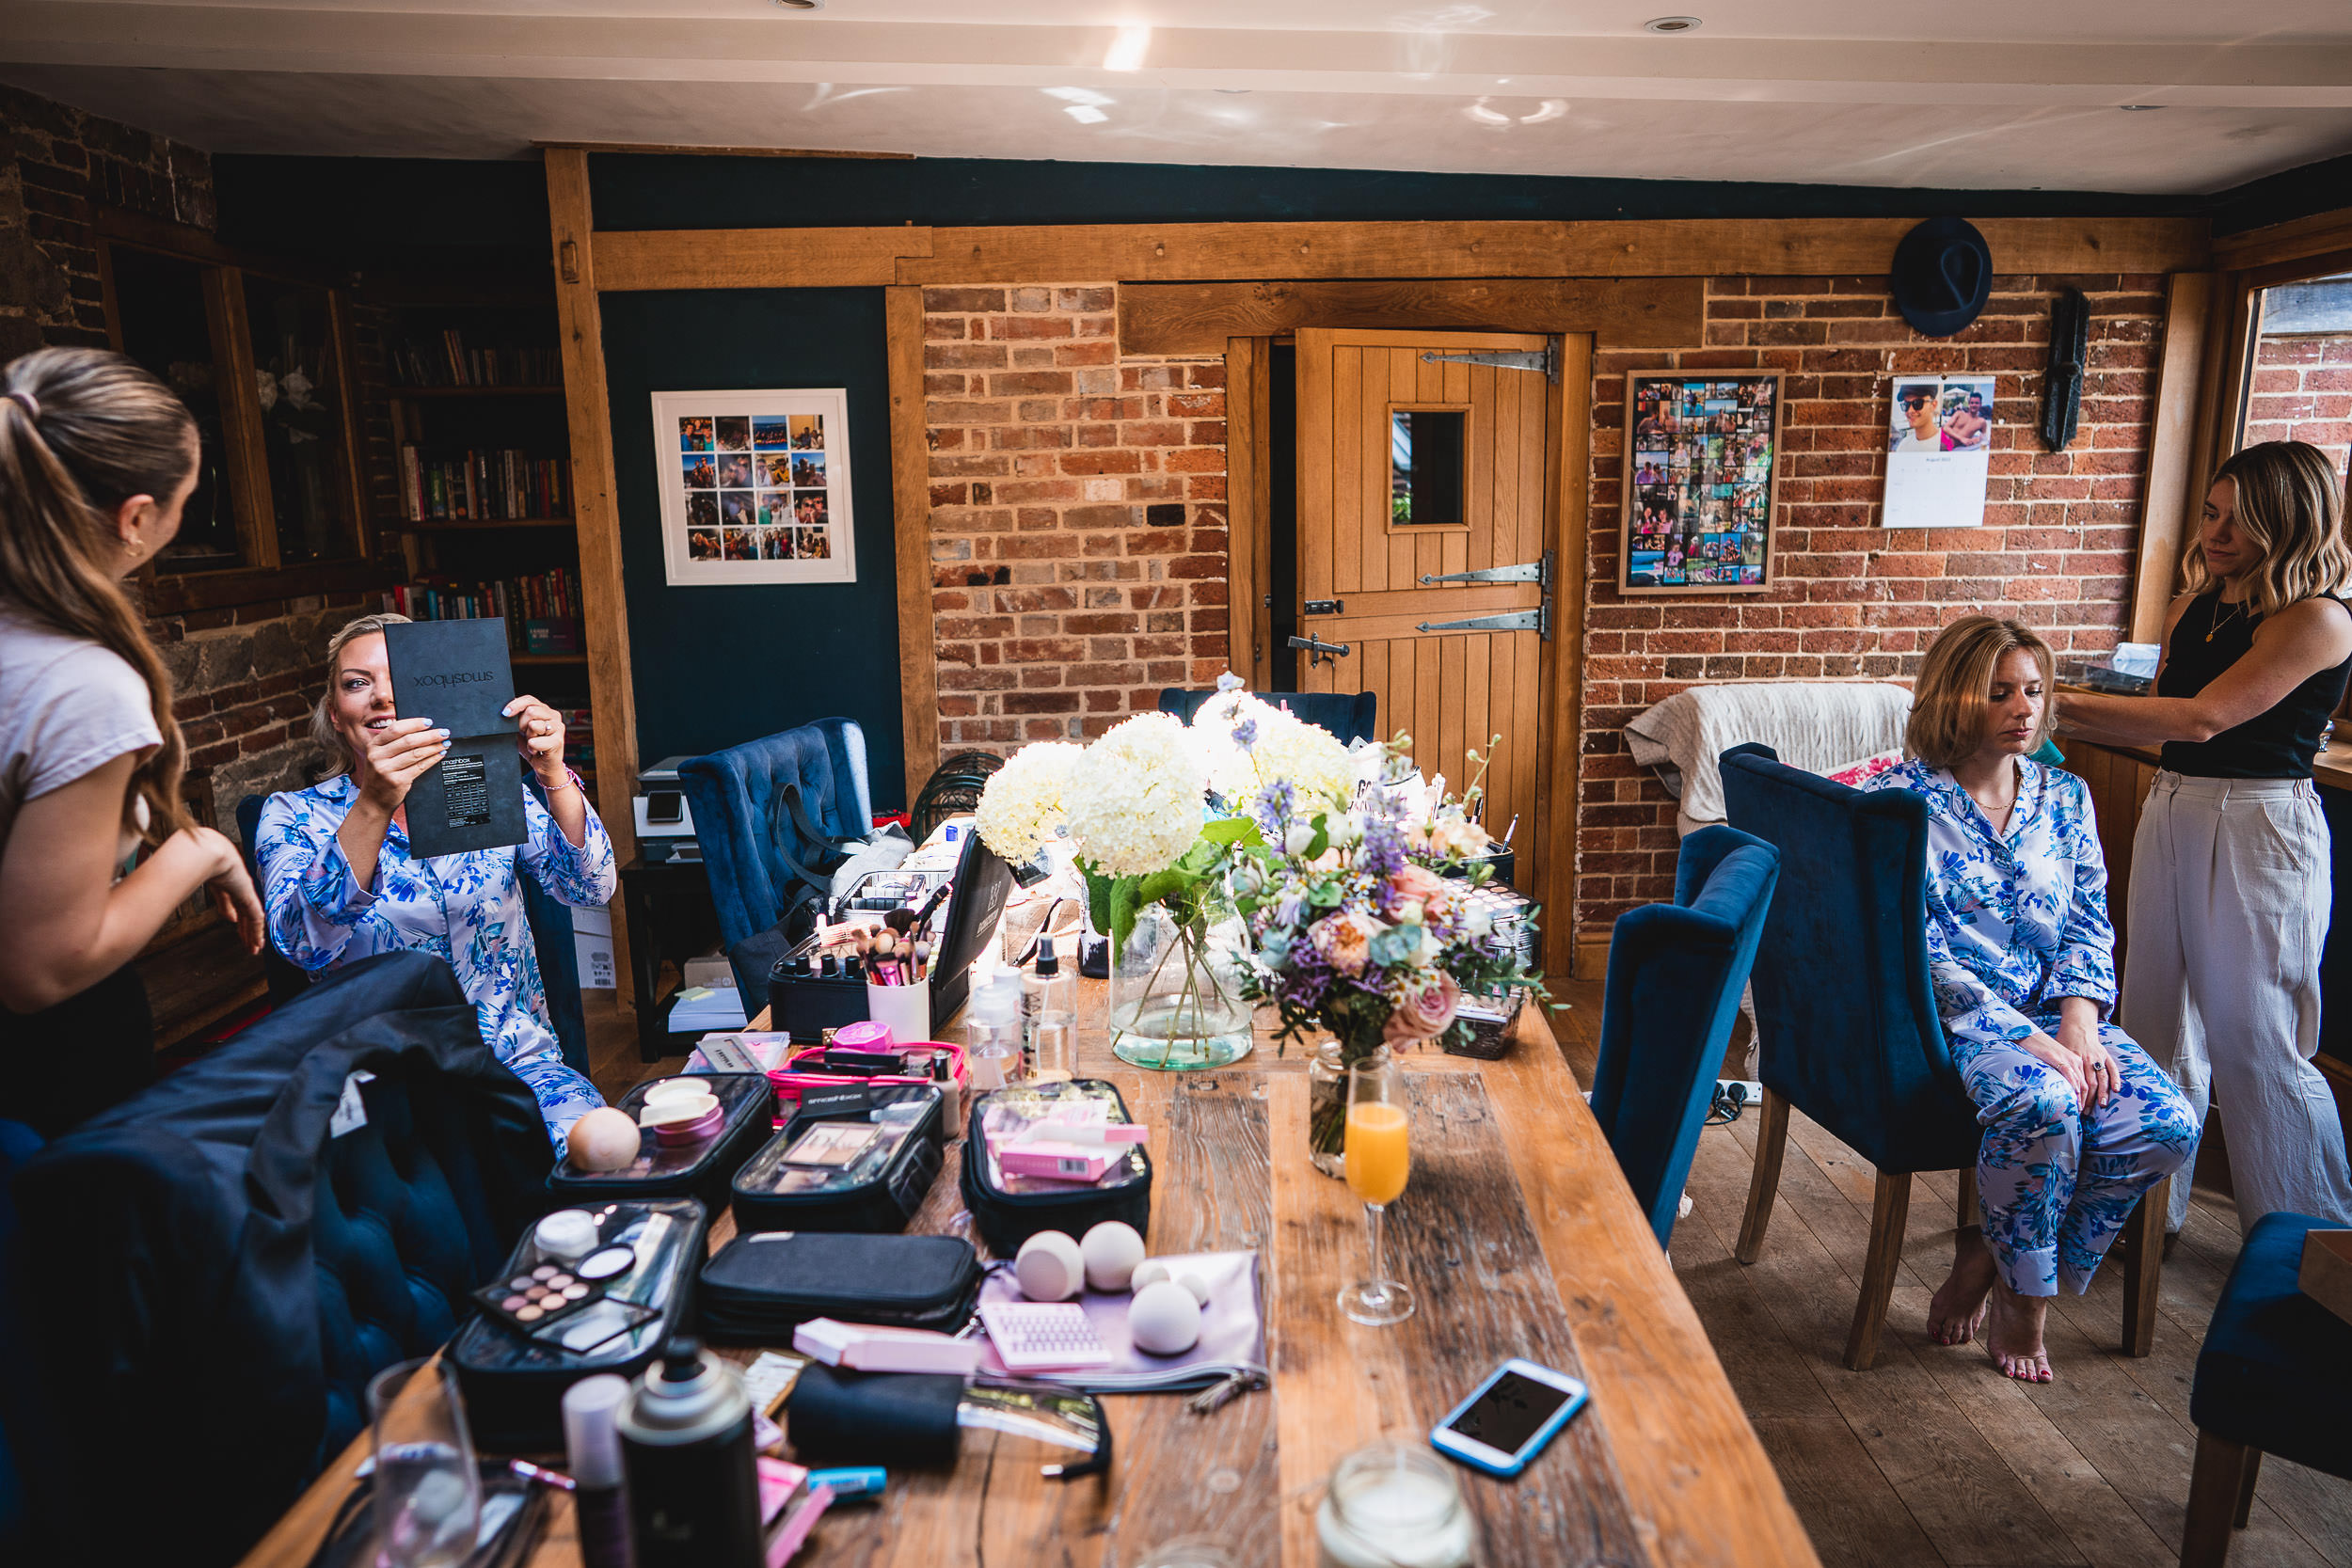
point(2229, 910)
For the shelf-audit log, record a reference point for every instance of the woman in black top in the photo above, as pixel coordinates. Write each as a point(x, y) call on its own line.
point(2231, 891)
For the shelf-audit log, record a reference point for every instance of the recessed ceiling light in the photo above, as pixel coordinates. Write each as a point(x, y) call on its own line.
point(1235, 92)
point(799, 5)
point(1671, 25)
point(2140, 109)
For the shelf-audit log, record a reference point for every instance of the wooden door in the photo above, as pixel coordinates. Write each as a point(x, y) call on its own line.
point(1368, 535)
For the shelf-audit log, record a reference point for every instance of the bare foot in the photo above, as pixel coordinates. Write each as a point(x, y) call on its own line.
point(1957, 1312)
point(2012, 1335)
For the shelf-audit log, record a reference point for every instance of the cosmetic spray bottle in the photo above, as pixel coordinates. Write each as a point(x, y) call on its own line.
point(693, 1478)
point(1048, 1014)
point(594, 1444)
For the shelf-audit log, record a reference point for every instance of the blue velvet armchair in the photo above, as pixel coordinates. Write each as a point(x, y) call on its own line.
point(1674, 976)
point(1349, 715)
point(1846, 1028)
point(754, 851)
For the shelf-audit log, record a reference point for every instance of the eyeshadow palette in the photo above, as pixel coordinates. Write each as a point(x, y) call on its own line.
point(532, 1301)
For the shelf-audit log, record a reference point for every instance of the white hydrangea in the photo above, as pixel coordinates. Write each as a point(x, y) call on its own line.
point(1020, 806)
point(1232, 768)
point(1133, 797)
point(1311, 757)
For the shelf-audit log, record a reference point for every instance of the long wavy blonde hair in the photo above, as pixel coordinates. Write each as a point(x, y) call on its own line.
point(334, 757)
point(2290, 505)
point(105, 430)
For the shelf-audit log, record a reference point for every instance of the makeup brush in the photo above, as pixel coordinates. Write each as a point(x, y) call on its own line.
point(899, 920)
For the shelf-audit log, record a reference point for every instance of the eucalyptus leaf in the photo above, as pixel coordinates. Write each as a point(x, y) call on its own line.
point(1397, 944)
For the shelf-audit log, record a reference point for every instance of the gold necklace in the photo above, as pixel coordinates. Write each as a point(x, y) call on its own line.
point(2236, 610)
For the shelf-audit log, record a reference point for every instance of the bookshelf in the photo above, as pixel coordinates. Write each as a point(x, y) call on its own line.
point(481, 475)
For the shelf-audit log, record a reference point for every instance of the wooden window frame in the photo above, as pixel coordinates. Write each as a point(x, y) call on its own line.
point(2204, 382)
point(246, 486)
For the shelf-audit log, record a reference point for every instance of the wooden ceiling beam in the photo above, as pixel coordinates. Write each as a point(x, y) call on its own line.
point(1201, 252)
point(1180, 319)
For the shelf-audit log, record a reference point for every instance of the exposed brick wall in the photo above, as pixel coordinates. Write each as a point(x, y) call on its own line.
point(242, 678)
point(1078, 527)
point(1078, 531)
point(58, 161)
point(1855, 600)
point(2302, 391)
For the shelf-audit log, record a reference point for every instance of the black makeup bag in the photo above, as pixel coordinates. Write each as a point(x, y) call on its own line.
point(1006, 1211)
point(514, 1383)
point(700, 1170)
point(759, 1287)
point(877, 1191)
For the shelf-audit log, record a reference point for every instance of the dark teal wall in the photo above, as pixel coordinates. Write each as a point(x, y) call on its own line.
point(716, 666)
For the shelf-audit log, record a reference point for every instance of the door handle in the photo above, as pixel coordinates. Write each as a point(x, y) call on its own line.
point(1320, 652)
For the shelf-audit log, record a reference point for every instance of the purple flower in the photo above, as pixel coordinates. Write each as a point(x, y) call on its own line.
point(1275, 805)
point(1382, 852)
point(1245, 734)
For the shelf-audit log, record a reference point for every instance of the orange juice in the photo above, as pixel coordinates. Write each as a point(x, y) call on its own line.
point(1379, 1151)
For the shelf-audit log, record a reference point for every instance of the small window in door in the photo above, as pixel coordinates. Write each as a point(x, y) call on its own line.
point(1426, 467)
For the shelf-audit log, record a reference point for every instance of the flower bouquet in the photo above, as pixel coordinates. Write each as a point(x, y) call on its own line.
point(1359, 931)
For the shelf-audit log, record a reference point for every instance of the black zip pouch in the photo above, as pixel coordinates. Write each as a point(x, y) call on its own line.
point(514, 1379)
point(1008, 1210)
point(875, 1189)
point(759, 1287)
point(700, 1170)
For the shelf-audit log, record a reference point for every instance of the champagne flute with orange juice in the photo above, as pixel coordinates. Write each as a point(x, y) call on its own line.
point(1378, 1159)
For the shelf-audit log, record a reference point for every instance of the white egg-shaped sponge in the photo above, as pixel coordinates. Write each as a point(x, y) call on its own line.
point(1112, 1250)
point(604, 1139)
point(1050, 1267)
point(1150, 1271)
point(1163, 1319)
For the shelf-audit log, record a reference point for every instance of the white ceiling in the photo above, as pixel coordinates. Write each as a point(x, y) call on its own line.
point(1836, 91)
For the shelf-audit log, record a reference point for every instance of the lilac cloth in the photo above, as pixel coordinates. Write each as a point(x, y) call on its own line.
point(1232, 1329)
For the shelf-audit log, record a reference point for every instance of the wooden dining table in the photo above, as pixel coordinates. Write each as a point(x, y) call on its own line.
point(1518, 1235)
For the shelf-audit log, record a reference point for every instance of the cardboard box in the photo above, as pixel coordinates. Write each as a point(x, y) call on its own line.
point(592, 941)
point(2326, 1273)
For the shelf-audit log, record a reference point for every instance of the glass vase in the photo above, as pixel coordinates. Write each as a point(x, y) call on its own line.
point(1176, 1000)
point(1327, 1103)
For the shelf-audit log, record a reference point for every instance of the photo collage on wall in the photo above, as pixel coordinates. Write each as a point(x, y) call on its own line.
point(1701, 454)
point(758, 489)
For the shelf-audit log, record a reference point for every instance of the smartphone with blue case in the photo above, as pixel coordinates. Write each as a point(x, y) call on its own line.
point(1509, 1418)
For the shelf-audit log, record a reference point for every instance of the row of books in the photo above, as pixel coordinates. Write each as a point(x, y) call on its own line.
point(504, 485)
point(542, 611)
point(444, 358)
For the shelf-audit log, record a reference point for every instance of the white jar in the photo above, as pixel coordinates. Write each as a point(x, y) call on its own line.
point(1393, 1506)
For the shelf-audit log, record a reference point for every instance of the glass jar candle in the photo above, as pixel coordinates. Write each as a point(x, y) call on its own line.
point(1393, 1506)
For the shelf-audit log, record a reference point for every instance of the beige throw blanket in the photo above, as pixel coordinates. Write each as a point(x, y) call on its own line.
point(1816, 725)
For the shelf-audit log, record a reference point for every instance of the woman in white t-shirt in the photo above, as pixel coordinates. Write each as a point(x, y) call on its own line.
point(97, 458)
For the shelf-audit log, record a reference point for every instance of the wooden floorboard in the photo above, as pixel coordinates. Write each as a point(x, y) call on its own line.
point(2091, 1468)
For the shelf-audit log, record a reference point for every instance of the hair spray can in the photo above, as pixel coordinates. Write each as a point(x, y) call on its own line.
point(693, 1480)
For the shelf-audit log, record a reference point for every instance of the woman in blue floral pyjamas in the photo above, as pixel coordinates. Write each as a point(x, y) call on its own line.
point(340, 883)
point(2077, 1120)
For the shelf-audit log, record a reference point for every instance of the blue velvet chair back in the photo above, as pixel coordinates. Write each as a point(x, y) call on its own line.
point(550, 934)
point(220, 1245)
point(1675, 976)
point(1349, 715)
point(736, 797)
point(1846, 1022)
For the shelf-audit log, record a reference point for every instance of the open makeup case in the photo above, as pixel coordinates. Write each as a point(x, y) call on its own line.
point(805, 1006)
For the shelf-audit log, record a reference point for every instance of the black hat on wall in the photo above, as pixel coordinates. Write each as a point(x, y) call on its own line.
point(1942, 275)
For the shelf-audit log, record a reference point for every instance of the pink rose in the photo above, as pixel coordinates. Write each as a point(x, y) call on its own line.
point(1424, 1011)
point(1415, 881)
point(1344, 940)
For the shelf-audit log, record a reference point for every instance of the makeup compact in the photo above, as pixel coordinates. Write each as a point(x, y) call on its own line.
point(547, 1296)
